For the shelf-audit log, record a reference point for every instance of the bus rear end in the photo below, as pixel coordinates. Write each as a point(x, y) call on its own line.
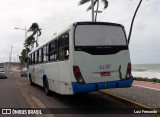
point(101, 58)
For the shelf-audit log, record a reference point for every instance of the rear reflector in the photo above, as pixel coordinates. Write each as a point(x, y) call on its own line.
point(78, 75)
point(129, 69)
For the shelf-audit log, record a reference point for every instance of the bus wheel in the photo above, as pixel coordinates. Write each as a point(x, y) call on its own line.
point(46, 87)
point(30, 79)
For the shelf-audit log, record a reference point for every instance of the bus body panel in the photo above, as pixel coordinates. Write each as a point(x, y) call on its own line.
point(65, 88)
point(91, 66)
point(64, 77)
point(48, 70)
point(51, 72)
point(64, 71)
point(36, 75)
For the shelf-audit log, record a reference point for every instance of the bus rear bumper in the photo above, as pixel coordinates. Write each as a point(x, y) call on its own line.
point(78, 88)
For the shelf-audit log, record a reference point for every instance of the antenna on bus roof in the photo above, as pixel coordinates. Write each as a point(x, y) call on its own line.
point(130, 32)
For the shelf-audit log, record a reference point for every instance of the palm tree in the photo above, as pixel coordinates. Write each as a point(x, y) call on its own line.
point(23, 55)
point(29, 42)
point(105, 2)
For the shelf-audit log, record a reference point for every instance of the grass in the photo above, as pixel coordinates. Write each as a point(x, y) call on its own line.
point(156, 80)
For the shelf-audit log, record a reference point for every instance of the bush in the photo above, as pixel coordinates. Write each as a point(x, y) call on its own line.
point(156, 80)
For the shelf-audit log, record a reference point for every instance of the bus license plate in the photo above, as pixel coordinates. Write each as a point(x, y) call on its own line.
point(105, 74)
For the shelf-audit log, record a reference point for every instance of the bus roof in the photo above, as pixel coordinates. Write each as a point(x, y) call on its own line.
point(98, 23)
point(75, 23)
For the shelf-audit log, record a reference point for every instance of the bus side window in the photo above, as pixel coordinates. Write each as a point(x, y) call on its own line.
point(47, 52)
point(50, 51)
point(53, 51)
point(40, 56)
point(44, 54)
point(30, 59)
point(33, 59)
point(37, 56)
point(56, 50)
point(63, 46)
point(67, 46)
point(60, 48)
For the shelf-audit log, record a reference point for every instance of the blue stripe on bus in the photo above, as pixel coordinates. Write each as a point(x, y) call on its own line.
point(78, 88)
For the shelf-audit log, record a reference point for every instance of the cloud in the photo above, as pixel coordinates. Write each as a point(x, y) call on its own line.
point(54, 15)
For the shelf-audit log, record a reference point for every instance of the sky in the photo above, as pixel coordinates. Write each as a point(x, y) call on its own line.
point(55, 15)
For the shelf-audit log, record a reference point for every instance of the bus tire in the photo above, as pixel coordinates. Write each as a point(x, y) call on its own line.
point(46, 87)
point(30, 79)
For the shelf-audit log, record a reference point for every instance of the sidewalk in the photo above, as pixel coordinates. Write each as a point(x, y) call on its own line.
point(149, 85)
point(145, 93)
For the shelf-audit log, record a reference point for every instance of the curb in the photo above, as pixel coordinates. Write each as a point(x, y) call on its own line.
point(136, 104)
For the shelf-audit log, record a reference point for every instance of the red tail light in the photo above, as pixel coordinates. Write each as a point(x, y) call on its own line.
point(129, 69)
point(78, 75)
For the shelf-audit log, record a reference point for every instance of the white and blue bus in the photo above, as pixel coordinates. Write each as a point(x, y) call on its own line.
point(88, 56)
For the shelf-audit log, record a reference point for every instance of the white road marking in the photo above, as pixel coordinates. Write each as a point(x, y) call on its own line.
point(146, 87)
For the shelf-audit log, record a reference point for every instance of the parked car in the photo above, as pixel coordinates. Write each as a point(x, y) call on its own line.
point(2, 72)
point(24, 72)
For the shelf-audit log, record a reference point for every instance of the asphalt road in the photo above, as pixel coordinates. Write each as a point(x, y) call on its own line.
point(16, 92)
point(11, 97)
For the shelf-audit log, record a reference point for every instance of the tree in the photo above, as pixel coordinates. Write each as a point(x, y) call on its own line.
point(29, 42)
point(23, 56)
point(105, 3)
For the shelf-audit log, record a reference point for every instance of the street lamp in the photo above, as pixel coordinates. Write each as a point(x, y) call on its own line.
point(17, 28)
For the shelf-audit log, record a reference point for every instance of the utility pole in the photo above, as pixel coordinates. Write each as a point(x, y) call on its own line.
point(25, 38)
point(11, 54)
point(92, 11)
point(25, 31)
point(10, 57)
